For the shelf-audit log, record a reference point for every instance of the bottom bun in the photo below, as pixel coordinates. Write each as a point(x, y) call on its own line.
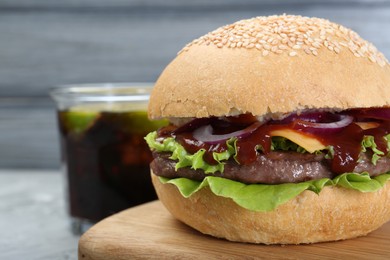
point(334, 214)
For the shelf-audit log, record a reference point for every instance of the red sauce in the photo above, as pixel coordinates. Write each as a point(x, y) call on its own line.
point(346, 146)
point(346, 142)
point(192, 146)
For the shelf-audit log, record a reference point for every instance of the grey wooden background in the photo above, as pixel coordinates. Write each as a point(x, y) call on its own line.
point(46, 43)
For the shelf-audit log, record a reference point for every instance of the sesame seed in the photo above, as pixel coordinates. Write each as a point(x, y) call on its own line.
point(316, 44)
point(267, 47)
point(330, 31)
point(291, 34)
point(318, 40)
point(352, 49)
point(282, 47)
point(302, 29)
point(382, 62)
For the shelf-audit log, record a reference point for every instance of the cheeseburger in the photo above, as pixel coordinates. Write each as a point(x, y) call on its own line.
point(279, 132)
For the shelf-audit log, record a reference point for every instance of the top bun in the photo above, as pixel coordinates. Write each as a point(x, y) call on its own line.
point(276, 64)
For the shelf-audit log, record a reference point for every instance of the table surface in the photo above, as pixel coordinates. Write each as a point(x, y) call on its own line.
point(33, 219)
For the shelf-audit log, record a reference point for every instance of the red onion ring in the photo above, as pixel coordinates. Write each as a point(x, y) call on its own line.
point(316, 122)
point(315, 117)
point(323, 128)
point(343, 122)
point(205, 133)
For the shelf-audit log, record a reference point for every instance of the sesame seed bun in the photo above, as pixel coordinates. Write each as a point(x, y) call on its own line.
point(308, 218)
point(276, 64)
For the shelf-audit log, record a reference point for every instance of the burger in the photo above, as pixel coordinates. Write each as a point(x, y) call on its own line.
point(279, 132)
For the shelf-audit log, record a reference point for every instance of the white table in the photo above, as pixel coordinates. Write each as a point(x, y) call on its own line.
point(33, 219)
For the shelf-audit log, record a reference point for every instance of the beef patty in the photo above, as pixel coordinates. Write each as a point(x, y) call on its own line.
point(271, 168)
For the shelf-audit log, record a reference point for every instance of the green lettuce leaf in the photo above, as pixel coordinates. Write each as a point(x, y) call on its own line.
point(368, 142)
point(387, 138)
point(265, 197)
point(280, 143)
point(185, 159)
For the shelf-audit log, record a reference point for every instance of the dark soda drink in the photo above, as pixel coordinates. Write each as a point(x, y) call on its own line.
point(106, 160)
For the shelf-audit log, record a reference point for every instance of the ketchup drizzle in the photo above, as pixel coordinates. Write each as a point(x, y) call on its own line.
point(346, 143)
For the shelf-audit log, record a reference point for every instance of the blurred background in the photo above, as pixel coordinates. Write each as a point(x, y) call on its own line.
point(45, 43)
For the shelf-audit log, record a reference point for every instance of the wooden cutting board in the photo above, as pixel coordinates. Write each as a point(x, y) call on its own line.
point(150, 232)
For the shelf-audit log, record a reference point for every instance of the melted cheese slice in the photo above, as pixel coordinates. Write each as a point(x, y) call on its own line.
point(367, 125)
point(309, 143)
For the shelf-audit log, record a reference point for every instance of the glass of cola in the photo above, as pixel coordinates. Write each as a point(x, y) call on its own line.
point(103, 152)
